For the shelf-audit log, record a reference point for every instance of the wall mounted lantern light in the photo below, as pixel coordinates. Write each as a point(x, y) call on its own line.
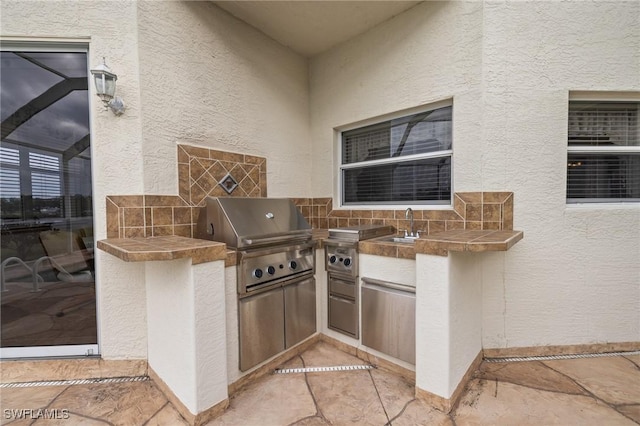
point(106, 88)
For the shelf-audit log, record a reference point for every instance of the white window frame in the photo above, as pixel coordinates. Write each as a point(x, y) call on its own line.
point(594, 96)
point(340, 167)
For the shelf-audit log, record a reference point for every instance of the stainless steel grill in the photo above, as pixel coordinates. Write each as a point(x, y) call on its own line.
point(247, 223)
point(275, 271)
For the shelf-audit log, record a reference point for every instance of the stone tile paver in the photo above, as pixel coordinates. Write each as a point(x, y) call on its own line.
point(500, 403)
point(343, 397)
point(592, 391)
point(277, 399)
point(167, 415)
point(324, 355)
point(26, 398)
point(418, 413)
point(631, 411)
point(128, 403)
point(394, 391)
point(616, 380)
point(533, 374)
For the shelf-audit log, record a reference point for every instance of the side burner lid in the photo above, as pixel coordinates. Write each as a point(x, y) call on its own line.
point(360, 232)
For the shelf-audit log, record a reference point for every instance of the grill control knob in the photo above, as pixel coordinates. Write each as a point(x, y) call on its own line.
point(293, 265)
point(271, 270)
point(257, 273)
point(332, 259)
point(347, 261)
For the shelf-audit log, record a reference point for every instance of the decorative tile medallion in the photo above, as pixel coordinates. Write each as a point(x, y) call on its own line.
point(228, 183)
point(205, 173)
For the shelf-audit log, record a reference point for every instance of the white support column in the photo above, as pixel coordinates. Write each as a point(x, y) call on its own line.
point(465, 314)
point(186, 330)
point(433, 357)
point(448, 321)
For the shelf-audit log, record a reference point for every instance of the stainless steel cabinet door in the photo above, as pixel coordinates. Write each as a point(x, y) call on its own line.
point(300, 311)
point(261, 322)
point(389, 321)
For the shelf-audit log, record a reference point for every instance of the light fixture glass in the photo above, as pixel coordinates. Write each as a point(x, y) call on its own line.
point(105, 81)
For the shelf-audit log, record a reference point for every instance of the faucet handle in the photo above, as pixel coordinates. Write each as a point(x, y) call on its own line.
point(404, 231)
point(418, 233)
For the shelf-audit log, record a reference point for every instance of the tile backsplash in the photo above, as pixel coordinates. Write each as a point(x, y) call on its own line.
point(200, 170)
point(472, 210)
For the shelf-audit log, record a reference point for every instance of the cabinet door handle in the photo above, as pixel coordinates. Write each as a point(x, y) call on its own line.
point(342, 299)
point(386, 284)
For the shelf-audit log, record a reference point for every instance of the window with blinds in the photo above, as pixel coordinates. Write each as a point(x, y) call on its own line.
point(405, 160)
point(42, 177)
point(603, 162)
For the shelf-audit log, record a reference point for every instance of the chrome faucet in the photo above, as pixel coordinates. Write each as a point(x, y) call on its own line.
point(408, 214)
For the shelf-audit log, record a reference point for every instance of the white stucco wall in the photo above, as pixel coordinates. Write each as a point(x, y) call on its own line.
point(575, 278)
point(430, 53)
point(209, 79)
point(509, 66)
point(187, 347)
point(191, 73)
point(448, 319)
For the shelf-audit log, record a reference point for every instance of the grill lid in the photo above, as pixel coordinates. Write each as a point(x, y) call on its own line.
point(251, 222)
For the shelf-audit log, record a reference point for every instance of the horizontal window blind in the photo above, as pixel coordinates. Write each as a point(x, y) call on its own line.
point(406, 160)
point(44, 162)
point(9, 173)
point(603, 123)
point(603, 161)
point(45, 185)
point(418, 180)
point(9, 156)
point(9, 183)
point(601, 176)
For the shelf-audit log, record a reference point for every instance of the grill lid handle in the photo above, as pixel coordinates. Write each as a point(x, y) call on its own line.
point(254, 240)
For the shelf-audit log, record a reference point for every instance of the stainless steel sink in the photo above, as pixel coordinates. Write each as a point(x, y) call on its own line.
point(405, 240)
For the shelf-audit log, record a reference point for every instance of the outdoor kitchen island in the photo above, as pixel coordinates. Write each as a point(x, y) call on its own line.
point(186, 337)
point(449, 270)
point(185, 282)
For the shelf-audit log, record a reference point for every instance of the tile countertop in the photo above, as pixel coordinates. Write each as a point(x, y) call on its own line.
point(467, 240)
point(383, 247)
point(164, 248)
point(144, 249)
point(442, 242)
point(173, 247)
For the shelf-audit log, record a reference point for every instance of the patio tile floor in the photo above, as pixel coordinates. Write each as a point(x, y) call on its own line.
point(588, 391)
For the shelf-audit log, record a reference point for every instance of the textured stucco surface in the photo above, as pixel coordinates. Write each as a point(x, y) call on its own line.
point(208, 79)
point(575, 278)
point(433, 354)
point(448, 319)
point(122, 314)
point(509, 67)
point(172, 332)
point(399, 271)
point(187, 347)
point(110, 29)
point(231, 324)
point(191, 73)
point(431, 53)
